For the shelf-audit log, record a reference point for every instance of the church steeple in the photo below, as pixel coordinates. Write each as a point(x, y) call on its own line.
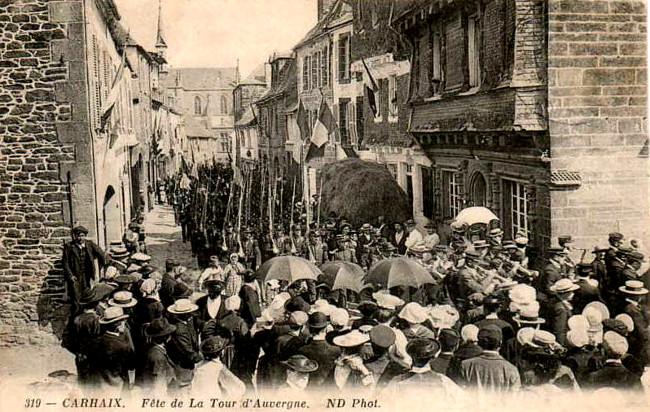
point(161, 45)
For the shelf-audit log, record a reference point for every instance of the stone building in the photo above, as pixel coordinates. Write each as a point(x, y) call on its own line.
point(323, 65)
point(272, 110)
point(536, 110)
point(379, 52)
point(205, 96)
point(68, 158)
point(246, 128)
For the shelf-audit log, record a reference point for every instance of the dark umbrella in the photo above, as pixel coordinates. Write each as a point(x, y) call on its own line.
point(289, 268)
point(399, 271)
point(343, 275)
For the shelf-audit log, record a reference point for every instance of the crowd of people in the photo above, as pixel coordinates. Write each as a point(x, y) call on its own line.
point(484, 320)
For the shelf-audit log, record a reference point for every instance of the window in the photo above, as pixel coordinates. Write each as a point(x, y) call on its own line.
point(359, 119)
point(197, 105)
point(305, 73)
point(249, 143)
point(314, 70)
point(343, 121)
point(224, 142)
point(224, 105)
point(392, 100)
point(436, 60)
point(96, 84)
point(451, 192)
point(473, 51)
point(515, 206)
point(427, 192)
point(325, 68)
point(344, 57)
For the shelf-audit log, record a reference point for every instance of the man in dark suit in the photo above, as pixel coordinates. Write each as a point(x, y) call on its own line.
point(183, 347)
point(616, 268)
point(634, 293)
point(421, 376)
point(492, 308)
point(168, 285)
point(210, 306)
point(319, 350)
point(466, 350)
point(588, 288)
point(613, 374)
point(158, 371)
point(560, 309)
point(449, 340)
point(551, 273)
point(363, 251)
point(78, 264)
point(398, 238)
point(112, 355)
point(250, 298)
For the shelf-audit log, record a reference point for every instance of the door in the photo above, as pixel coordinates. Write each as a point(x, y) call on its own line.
point(479, 190)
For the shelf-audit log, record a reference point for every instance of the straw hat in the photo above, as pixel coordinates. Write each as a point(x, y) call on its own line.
point(563, 286)
point(182, 306)
point(633, 287)
point(112, 314)
point(351, 339)
point(529, 315)
point(123, 299)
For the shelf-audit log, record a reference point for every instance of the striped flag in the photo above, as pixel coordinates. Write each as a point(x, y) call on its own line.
point(325, 125)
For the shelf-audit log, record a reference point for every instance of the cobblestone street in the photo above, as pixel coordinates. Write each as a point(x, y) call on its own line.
point(164, 239)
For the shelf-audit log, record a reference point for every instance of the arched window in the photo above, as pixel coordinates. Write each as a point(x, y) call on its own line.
point(197, 105)
point(224, 105)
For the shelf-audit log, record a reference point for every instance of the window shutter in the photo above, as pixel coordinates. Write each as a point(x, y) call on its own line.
point(352, 127)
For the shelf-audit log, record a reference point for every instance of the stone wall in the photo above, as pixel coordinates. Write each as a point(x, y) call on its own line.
point(35, 212)
point(597, 112)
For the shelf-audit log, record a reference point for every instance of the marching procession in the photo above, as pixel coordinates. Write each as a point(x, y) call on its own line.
point(287, 300)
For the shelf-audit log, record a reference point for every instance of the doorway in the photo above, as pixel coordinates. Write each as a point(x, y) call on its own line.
point(478, 190)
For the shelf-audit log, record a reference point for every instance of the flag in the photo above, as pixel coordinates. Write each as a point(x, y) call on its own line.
point(237, 177)
point(303, 121)
point(371, 90)
point(185, 182)
point(324, 126)
point(113, 94)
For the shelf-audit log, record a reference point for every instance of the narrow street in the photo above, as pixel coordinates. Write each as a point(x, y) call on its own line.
point(165, 240)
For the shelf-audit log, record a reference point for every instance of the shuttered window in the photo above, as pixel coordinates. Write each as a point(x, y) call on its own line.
point(344, 57)
point(305, 73)
point(473, 55)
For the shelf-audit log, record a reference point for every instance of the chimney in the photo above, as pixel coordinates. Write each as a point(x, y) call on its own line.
point(324, 7)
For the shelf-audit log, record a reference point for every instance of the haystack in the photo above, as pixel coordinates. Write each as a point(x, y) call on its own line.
point(361, 191)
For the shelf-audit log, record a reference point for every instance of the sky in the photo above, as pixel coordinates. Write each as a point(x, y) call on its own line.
point(215, 33)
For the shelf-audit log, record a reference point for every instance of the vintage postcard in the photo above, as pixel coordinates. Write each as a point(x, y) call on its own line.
point(324, 204)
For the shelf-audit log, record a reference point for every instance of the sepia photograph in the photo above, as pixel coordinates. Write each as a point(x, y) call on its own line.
point(279, 205)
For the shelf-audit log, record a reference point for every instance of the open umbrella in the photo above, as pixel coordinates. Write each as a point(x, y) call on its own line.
point(289, 268)
point(476, 214)
point(398, 272)
point(344, 275)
